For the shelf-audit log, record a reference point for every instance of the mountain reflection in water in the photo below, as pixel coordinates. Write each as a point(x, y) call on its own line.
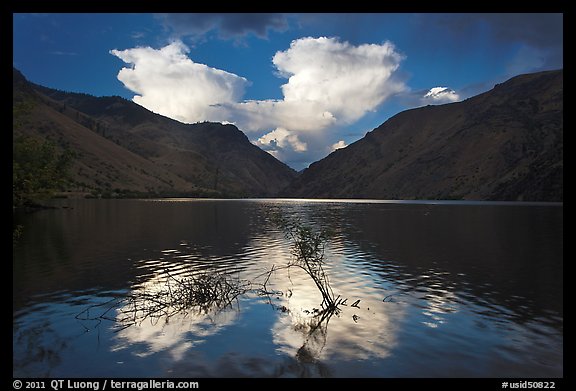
point(445, 289)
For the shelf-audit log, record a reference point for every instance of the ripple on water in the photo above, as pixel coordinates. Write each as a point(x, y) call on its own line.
point(421, 310)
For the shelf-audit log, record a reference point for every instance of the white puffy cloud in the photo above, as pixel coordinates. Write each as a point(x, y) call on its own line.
point(169, 83)
point(330, 84)
point(338, 145)
point(439, 95)
point(261, 115)
point(343, 79)
point(279, 140)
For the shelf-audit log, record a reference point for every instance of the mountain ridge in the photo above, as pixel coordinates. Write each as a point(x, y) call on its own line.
point(505, 144)
point(166, 157)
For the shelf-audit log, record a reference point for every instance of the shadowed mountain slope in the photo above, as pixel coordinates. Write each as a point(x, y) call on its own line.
point(121, 146)
point(505, 144)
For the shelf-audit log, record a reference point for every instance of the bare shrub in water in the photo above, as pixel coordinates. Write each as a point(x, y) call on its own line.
point(213, 290)
point(308, 251)
point(206, 292)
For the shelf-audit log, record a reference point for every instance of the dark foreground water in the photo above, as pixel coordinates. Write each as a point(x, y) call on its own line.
point(445, 290)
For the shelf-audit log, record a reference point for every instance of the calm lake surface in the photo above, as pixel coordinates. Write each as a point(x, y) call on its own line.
point(446, 289)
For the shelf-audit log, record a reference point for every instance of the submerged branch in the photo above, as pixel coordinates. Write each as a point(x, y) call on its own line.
point(214, 291)
point(308, 250)
point(207, 292)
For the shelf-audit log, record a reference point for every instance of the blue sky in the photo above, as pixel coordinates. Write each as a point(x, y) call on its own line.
point(298, 85)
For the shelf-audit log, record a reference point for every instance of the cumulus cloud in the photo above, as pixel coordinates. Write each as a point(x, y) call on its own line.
point(256, 116)
point(340, 144)
point(346, 80)
point(279, 140)
point(439, 95)
point(169, 83)
point(329, 84)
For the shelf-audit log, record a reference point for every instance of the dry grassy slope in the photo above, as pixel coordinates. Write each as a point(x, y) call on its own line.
point(505, 144)
point(165, 155)
point(101, 164)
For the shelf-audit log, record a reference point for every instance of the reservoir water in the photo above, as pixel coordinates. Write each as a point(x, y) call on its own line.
point(445, 289)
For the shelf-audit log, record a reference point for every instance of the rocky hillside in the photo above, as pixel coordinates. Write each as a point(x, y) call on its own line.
point(123, 148)
point(505, 144)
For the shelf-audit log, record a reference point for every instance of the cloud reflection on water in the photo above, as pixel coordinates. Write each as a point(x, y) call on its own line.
point(356, 333)
point(469, 291)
